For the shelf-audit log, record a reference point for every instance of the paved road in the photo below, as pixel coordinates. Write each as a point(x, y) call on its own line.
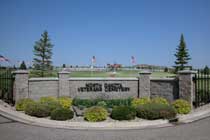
point(10, 130)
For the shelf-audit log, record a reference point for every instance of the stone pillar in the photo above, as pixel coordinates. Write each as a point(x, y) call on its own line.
point(21, 85)
point(63, 84)
point(186, 85)
point(144, 84)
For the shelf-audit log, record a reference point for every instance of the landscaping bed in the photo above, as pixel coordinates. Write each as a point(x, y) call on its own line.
point(99, 110)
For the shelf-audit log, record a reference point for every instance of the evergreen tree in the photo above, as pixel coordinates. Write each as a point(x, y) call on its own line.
point(43, 54)
point(182, 56)
point(206, 70)
point(64, 66)
point(23, 66)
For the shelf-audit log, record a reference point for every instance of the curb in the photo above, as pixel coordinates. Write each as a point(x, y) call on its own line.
point(123, 125)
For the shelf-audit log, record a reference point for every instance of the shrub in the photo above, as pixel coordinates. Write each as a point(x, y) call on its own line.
point(21, 104)
point(140, 101)
point(181, 106)
point(62, 114)
point(109, 103)
point(102, 104)
point(50, 101)
point(160, 100)
point(84, 102)
point(153, 111)
point(118, 102)
point(37, 109)
point(123, 113)
point(65, 102)
point(95, 114)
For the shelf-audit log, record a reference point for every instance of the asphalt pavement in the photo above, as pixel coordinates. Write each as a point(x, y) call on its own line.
point(12, 130)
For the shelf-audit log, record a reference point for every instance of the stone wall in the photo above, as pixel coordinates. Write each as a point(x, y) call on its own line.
point(39, 87)
point(108, 88)
point(165, 87)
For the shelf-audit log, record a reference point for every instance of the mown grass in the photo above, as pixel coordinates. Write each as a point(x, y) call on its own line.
point(119, 73)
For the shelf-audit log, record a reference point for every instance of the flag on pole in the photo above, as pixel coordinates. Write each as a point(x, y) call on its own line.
point(133, 60)
point(93, 60)
point(2, 58)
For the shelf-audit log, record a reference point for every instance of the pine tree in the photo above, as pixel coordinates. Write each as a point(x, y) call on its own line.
point(206, 70)
point(43, 54)
point(182, 56)
point(23, 66)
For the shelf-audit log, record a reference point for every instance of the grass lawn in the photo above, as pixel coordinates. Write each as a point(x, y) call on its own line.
point(121, 73)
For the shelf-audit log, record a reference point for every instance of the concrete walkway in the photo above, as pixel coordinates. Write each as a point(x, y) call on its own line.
point(8, 112)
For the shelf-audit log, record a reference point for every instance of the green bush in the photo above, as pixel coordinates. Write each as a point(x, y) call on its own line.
point(65, 102)
point(118, 102)
point(140, 101)
point(95, 114)
point(62, 114)
point(123, 113)
point(37, 109)
point(160, 100)
point(51, 102)
point(153, 111)
point(84, 102)
point(181, 106)
point(109, 103)
point(21, 104)
point(102, 104)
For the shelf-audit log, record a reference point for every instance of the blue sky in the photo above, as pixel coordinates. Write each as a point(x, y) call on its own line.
point(111, 30)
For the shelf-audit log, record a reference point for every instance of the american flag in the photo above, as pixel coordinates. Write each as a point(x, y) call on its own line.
point(133, 60)
point(93, 60)
point(2, 58)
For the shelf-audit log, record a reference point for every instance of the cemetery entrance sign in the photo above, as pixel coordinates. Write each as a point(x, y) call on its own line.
point(108, 87)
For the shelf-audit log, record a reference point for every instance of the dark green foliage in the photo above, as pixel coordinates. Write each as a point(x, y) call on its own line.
point(182, 56)
point(123, 113)
point(109, 103)
point(37, 109)
point(153, 111)
point(64, 65)
point(23, 66)
point(43, 54)
point(62, 114)
point(206, 70)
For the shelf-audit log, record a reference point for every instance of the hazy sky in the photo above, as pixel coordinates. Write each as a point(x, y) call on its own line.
point(110, 30)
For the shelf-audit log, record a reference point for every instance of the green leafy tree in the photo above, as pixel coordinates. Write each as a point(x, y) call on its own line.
point(43, 54)
point(64, 66)
point(182, 55)
point(23, 66)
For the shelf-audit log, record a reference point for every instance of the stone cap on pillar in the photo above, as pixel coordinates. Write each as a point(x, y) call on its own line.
point(20, 72)
point(145, 72)
point(187, 72)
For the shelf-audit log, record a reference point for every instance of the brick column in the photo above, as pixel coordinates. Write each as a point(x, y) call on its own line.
point(186, 85)
point(144, 84)
point(21, 84)
point(63, 83)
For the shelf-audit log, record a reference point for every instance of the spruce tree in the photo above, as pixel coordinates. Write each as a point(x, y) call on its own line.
point(182, 55)
point(43, 54)
point(23, 66)
point(206, 70)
